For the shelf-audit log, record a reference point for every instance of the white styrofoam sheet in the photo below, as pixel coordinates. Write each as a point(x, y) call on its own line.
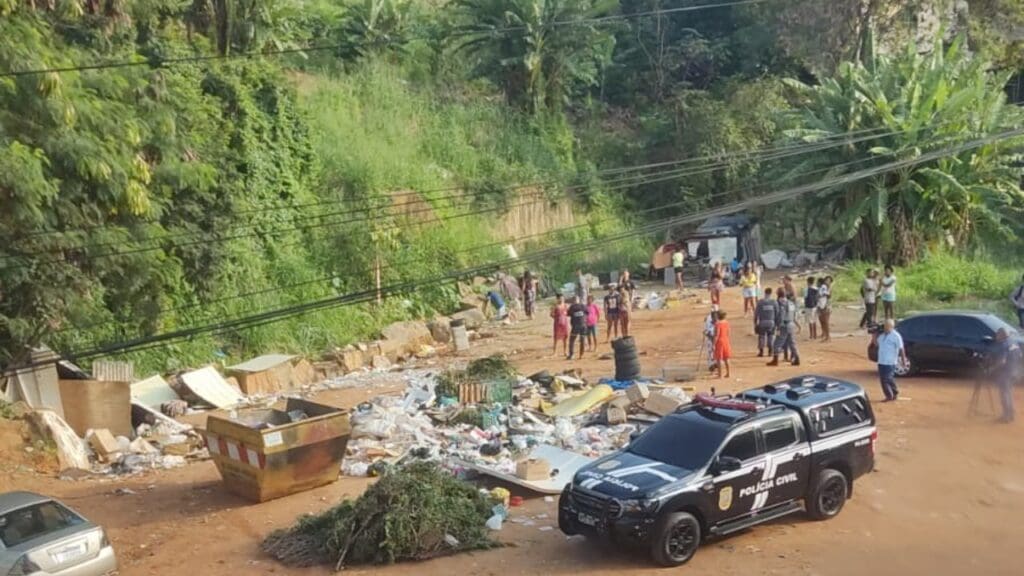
point(153, 392)
point(210, 386)
point(566, 464)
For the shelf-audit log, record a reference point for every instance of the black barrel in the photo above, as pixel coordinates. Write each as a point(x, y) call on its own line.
point(627, 361)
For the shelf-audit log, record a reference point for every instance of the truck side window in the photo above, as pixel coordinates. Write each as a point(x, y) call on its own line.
point(779, 435)
point(742, 446)
point(839, 416)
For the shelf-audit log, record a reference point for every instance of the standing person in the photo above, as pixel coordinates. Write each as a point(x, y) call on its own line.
point(593, 315)
point(677, 266)
point(624, 311)
point(1018, 302)
point(786, 339)
point(1005, 365)
point(765, 315)
point(759, 271)
point(560, 316)
point(723, 344)
point(715, 287)
point(869, 293)
point(626, 282)
point(888, 284)
point(578, 324)
point(612, 305)
point(582, 289)
point(811, 308)
point(509, 289)
point(890, 351)
point(787, 287)
point(709, 339)
point(825, 308)
point(748, 284)
point(528, 285)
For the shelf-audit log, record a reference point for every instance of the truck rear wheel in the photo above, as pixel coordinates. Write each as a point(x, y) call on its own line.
point(676, 539)
point(828, 496)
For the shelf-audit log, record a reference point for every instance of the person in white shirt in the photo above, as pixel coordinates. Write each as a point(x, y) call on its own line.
point(888, 284)
point(890, 351)
point(869, 292)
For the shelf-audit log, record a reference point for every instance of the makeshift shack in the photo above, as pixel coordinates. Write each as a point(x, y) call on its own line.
point(717, 239)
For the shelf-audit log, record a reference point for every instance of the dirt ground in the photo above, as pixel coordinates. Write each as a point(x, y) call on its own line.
point(946, 498)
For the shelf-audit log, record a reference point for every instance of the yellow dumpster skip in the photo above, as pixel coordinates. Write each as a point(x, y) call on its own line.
point(262, 454)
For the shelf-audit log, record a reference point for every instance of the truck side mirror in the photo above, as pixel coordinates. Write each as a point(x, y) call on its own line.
point(725, 464)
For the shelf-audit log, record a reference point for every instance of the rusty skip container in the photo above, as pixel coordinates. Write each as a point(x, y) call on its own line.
point(263, 453)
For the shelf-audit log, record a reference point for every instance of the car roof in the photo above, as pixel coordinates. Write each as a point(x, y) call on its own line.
point(968, 313)
point(11, 501)
point(804, 391)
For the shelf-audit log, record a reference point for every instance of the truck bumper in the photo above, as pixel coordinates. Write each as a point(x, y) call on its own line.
point(624, 531)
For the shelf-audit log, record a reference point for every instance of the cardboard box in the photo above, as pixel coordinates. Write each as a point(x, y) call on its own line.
point(104, 443)
point(533, 469)
point(615, 415)
point(661, 404)
point(638, 392)
point(622, 402)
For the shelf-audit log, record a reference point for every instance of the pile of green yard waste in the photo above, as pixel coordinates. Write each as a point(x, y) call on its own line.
point(494, 368)
point(412, 513)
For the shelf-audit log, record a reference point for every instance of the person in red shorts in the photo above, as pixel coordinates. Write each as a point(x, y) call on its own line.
point(723, 345)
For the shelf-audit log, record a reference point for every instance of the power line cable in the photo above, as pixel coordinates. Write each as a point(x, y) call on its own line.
point(278, 314)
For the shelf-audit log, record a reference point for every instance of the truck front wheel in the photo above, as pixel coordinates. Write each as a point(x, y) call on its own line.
point(676, 538)
point(828, 495)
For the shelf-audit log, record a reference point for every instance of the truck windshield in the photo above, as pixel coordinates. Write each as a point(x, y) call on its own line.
point(684, 441)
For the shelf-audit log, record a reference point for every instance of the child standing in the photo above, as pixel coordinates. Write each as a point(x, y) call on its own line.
point(748, 283)
point(593, 315)
point(723, 344)
point(560, 315)
point(811, 307)
point(624, 310)
point(715, 288)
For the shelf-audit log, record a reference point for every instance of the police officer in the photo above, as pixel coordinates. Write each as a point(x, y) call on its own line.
point(786, 323)
point(765, 314)
point(1006, 360)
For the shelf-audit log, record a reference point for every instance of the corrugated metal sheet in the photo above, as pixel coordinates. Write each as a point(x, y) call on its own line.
point(113, 371)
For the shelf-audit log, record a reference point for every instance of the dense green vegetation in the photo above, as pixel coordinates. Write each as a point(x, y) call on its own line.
point(141, 200)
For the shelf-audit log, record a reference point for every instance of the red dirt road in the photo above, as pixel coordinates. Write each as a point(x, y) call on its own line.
point(947, 496)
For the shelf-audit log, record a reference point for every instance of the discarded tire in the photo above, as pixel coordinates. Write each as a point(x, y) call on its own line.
point(627, 361)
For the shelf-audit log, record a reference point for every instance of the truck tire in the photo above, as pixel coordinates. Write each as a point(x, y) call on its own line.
point(676, 539)
point(828, 495)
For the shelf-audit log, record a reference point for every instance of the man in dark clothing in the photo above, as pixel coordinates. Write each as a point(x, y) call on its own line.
point(1017, 297)
point(578, 324)
point(786, 323)
point(765, 314)
point(1006, 362)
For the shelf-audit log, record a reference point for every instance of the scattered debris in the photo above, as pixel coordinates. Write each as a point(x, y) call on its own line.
point(72, 453)
point(210, 387)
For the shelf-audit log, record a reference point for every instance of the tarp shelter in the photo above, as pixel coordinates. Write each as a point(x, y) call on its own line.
point(265, 374)
point(720, 238)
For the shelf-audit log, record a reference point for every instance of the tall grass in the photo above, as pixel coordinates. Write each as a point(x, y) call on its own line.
point(941, 281)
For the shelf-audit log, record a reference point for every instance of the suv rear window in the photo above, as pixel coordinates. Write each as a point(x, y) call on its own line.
point(34, 521)
point(838, 416)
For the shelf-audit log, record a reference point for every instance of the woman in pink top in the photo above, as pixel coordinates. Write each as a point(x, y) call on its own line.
point(593, 315)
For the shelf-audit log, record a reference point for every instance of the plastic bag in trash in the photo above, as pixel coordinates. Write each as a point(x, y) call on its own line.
point(494, 522)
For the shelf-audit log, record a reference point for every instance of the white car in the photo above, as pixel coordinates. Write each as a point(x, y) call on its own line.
point(41, 536)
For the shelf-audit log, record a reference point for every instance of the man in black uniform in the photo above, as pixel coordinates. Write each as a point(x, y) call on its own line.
point(578, 323)
point(765, 314)
point(1005, 365)
point(786, 322)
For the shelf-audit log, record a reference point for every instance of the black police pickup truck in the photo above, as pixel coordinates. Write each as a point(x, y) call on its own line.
point(723, 464)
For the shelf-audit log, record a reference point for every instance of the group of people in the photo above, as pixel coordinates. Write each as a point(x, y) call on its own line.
point(874, 288)
point(576, 319)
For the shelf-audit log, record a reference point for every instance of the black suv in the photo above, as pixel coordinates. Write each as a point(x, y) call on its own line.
point(722, 464)
point(945, 340)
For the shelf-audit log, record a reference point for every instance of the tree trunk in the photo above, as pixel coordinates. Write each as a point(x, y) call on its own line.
point(906, 244)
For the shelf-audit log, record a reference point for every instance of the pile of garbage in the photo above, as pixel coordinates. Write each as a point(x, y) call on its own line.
point(488, 417)
point(414, 513)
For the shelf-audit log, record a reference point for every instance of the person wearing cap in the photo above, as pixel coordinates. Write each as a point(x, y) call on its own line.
point(1006, 360)
point(890, 351)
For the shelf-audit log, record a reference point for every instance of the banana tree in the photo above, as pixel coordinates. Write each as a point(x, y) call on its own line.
point(895, 108)
point(538, 51)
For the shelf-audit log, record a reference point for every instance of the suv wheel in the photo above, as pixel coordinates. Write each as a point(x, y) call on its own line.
point(906, 369)
point(676, 539)
point(828, 496)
